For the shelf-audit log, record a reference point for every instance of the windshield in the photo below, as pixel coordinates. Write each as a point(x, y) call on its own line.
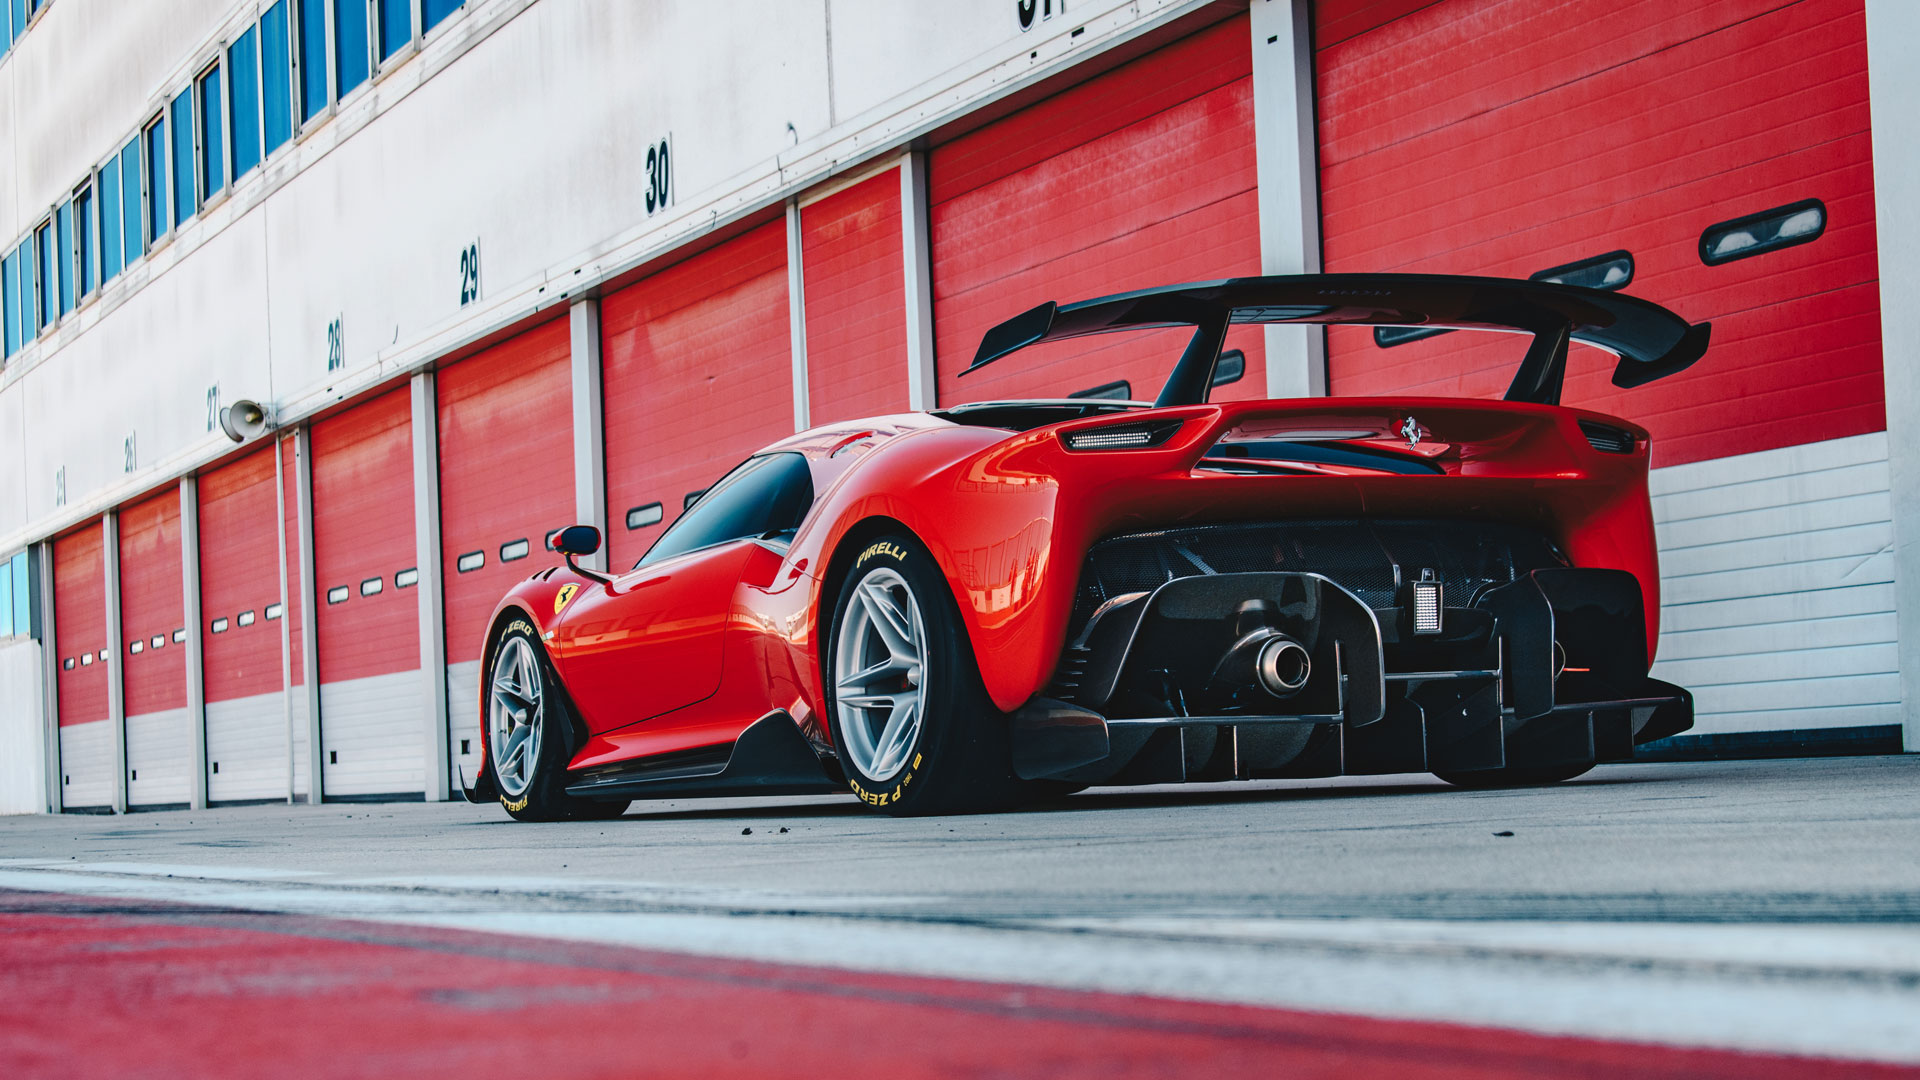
point(763, 496)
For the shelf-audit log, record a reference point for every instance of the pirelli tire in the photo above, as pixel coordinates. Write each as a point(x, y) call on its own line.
point(528, 735)
point(898, 644)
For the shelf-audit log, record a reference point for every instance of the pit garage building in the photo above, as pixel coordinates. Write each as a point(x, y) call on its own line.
point(495, 267)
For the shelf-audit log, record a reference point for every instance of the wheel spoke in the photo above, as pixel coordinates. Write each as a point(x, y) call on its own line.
point(894, 630)
point(896, 736)
point(527, 679)
point(513, 760)
point(861, 682)
point(868, 701)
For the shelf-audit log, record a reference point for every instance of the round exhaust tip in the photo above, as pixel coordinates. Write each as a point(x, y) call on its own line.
point(1283, 666)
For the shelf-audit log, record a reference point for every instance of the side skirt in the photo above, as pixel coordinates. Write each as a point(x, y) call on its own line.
point(771, 757)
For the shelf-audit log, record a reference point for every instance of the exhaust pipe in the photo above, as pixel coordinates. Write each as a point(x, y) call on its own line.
point(1282, 666)
point(1261, 664)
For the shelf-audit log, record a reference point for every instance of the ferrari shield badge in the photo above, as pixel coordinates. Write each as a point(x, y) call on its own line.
point(1411, 431)
point(565, 594)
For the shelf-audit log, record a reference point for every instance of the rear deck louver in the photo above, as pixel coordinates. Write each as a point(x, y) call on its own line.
point(1607, 440)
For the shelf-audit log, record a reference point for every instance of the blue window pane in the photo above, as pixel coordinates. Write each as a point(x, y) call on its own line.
point(22, 596)
point(433, 12)
point(83, 235)
point(349, 44)
point(25, 306)
point(109, 220)
point(63, 253)
point(19, 18)
point(157, 221)
point(213, 164)
point(10, 304)
point(6, 599)
point(276, 78)
point(130, 199)
point(28, 309)
point(243, 94)
point(396, 26)
point(49, 277)
point(184, 204)
point(313, 58)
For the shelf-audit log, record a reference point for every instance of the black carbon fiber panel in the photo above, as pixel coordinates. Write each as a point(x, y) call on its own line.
point(1360, 555)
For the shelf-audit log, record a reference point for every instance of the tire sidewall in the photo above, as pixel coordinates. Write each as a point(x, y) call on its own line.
point(545, 798)
point(946, 748)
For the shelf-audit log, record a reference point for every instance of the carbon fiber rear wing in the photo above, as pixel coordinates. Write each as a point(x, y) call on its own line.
point(1651, 341)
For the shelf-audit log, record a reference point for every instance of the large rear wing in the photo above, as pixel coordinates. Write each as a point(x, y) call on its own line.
point(1650, 341)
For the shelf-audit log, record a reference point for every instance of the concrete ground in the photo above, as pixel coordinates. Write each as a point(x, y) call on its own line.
point(1769, 907)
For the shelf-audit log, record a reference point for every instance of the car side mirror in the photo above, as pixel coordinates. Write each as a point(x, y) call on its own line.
point(577, 540)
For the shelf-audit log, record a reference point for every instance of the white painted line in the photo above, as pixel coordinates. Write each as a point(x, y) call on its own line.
point(188, 870)
point(1811, 947)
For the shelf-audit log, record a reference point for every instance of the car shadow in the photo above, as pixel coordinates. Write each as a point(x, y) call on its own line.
point(1167, 796)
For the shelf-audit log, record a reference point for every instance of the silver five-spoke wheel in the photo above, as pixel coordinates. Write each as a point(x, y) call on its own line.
point(879, 674)
point(513, 716)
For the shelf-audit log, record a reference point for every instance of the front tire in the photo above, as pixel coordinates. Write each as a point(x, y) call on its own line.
point(913, 726)
point(526, 733)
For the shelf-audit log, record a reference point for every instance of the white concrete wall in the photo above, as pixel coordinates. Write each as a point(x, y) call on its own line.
point(22, 763)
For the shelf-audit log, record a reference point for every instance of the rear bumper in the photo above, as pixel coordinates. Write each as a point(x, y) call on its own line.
point(1144, 696)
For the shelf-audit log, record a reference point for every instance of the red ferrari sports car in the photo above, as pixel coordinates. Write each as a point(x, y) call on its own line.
point(999, 601)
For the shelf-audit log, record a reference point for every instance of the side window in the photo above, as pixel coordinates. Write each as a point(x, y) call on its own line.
point(769, 494)
point(276, 77)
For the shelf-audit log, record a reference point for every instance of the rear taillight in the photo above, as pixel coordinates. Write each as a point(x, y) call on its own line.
point(1606, 439)
point(1121, 436)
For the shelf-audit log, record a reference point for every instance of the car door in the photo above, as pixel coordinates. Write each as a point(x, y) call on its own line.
point(652, 640)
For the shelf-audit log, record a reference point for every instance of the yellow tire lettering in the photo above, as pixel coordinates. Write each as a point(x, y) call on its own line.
point(894, 551)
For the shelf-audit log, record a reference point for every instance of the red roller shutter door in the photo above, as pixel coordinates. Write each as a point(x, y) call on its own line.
point(506, 481)
point(371, 715)
point(159, 737)
point(1142, 176)
point(241, 664)
point(1507, 137)
point(852, 251)
point(698, 373)
point(80, 642)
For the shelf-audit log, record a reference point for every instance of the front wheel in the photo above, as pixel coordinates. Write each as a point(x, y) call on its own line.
point(914, 728)
point(526, 743)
